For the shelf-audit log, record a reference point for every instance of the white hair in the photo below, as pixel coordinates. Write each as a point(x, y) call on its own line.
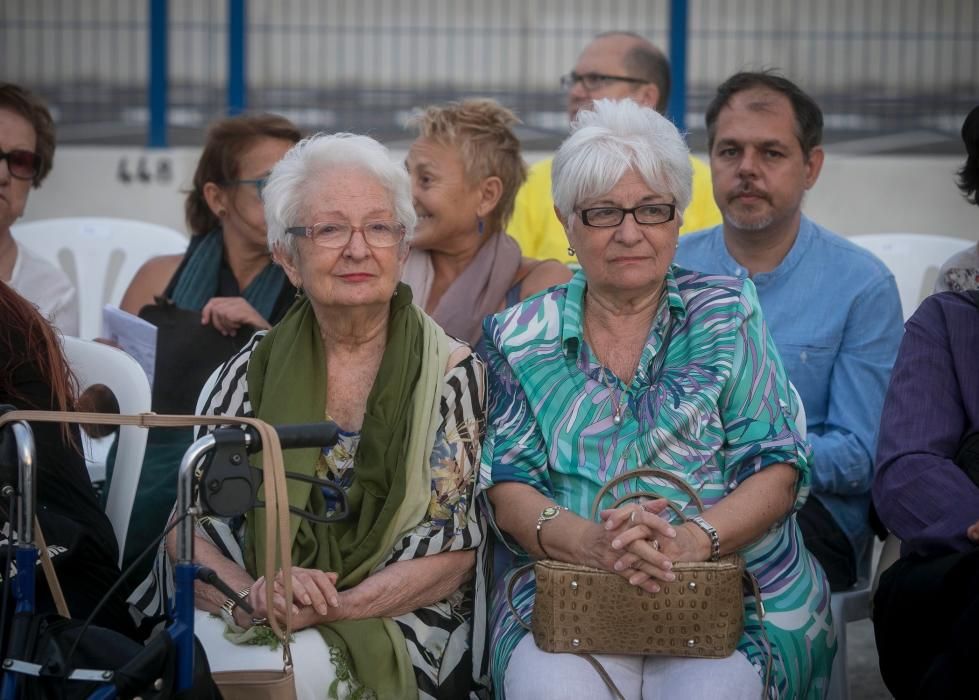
point(610, 139)
point(284, 195)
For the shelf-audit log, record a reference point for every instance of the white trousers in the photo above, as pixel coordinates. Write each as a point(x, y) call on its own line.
point(536, 674)
point(310, 656)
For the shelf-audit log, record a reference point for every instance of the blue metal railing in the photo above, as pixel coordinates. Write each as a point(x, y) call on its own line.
point(237, 78)
point(677, 108)
point(363, 64)
point(159, 70)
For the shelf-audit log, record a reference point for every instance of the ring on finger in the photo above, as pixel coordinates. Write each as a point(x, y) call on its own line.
point(632, 517)
point(655, 543)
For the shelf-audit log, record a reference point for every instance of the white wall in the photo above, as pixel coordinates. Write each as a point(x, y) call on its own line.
point(85, 182)
point(854, 194)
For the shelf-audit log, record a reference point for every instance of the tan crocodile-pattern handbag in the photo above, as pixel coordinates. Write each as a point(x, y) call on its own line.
point(582, 610)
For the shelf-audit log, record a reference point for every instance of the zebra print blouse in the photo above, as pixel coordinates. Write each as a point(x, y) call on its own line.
point(438, 636)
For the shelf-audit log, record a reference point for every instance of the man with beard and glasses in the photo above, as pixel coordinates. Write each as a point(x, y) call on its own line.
point(832, 307)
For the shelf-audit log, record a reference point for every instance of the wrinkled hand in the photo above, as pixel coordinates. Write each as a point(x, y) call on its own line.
point(256, 598)
point(314, 597)
point(228, 314)
point(635, 535)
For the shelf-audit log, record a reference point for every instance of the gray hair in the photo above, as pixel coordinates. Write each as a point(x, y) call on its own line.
point(608, 140)
point(288, 184)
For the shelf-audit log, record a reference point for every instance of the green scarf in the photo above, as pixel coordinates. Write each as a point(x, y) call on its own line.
point(198, 280)
point(391, 488)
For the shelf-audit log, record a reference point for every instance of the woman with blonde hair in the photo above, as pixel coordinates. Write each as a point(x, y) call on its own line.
point(465, 171)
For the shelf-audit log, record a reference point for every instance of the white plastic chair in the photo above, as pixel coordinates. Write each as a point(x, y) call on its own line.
point(96, 363)
point(100, 256)
point(914, 259)
point(846, 606)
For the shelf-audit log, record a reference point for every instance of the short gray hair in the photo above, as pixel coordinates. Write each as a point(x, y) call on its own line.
point(611, 138)
point(289, 182)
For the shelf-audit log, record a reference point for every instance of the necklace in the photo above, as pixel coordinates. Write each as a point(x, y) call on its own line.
point(618, 405)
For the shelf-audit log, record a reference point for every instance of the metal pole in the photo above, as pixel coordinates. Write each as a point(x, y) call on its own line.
point(157, 137)
point(237, 83)
point(677, 109)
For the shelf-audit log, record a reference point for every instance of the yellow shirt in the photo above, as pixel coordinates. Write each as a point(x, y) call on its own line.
point(541, 235)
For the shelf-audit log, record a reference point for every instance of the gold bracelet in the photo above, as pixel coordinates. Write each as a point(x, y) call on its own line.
point(548, 513)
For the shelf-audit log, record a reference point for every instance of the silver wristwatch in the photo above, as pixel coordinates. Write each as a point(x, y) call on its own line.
point(715, 541)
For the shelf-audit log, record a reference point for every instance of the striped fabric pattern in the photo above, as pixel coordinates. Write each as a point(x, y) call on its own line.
point(438, 636)
point(709, 403)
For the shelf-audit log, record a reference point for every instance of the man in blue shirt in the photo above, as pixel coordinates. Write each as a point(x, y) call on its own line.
point(832, 307)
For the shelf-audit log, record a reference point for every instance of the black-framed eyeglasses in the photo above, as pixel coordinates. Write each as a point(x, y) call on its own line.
point(378, 234)
point(258, 182)
point(606, 217)
point(596, 81)
point(23, 164)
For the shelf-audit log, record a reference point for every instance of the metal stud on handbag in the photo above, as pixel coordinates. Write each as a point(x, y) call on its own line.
point(582, 610)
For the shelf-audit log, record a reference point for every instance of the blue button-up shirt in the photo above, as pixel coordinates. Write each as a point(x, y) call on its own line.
point(835, 314)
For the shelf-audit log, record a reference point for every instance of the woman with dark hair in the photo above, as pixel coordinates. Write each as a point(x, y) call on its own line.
point(226, 275)
point(227, 272)
point(26, 156)
point(926, 482)
point(35, 376)
point(960, 273)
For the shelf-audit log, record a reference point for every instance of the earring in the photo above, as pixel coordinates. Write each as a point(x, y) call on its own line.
point(571, 251)
point(479, 225)
point(299, 291)
point(222, 213)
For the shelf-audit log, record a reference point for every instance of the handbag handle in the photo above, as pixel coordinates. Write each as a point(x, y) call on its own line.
point(650, 472)
point(276, 497)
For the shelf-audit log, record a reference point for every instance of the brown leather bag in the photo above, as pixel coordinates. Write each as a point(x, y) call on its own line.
point(582, 610)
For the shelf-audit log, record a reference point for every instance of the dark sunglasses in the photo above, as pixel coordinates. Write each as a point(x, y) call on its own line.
point(24, 165)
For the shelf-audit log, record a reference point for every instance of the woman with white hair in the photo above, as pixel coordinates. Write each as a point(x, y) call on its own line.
point(638, 363)
point(382, 598)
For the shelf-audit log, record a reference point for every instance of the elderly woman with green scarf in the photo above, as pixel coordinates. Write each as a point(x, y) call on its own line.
point(383, 600)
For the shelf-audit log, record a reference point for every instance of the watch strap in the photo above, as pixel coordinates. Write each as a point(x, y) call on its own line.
point(715, 540)
point(230, 604)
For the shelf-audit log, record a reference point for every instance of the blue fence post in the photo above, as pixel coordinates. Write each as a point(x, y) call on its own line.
point(157, 137)
point(237, 91)
point(677, 109)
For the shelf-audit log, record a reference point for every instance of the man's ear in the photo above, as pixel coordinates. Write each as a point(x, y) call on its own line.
point(490, 191)
point(813, 165)
point(648, 95)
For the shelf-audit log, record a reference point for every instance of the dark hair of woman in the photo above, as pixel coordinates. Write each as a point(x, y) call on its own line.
point(29, 106)
point(21, 326)
point(969, 174)
point(227, 141)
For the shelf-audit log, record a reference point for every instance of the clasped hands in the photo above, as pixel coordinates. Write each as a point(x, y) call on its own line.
point(641, 546)
point(315, 599)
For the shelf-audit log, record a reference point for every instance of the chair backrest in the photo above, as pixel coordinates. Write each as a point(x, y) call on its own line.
point(96, 363)
point(100, 256)
point(914, 259)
